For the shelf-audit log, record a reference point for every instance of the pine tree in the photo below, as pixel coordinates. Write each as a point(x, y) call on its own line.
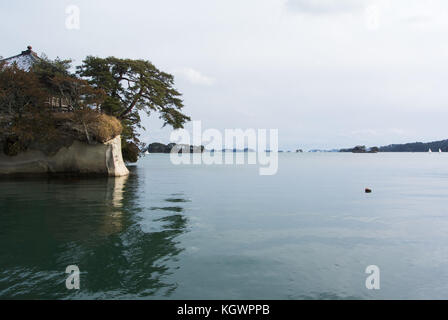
point(134, 86)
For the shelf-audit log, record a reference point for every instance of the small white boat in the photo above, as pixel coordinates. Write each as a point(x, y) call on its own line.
point(440, 150)
point(430, 151)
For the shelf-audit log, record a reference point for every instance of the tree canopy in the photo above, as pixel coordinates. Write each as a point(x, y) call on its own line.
point(121, 88)
point(134, 86)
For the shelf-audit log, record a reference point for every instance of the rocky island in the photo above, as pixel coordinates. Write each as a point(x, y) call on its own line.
point(179, 148)
point(55, 121)
point(361, 149)
point(76, 146)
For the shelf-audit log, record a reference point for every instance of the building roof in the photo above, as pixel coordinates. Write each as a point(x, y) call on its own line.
point(24, 61)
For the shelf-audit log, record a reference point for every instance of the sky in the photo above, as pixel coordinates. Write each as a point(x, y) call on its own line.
point(325, 73)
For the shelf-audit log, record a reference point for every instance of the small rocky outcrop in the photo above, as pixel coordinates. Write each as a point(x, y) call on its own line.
point(158, 148)
point(179, 148)
point(361, 149)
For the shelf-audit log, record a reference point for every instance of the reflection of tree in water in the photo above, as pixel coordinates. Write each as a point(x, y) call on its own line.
point(48, 225)
point(137, 262)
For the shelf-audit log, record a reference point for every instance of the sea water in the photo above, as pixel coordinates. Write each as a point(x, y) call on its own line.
point(225, 232)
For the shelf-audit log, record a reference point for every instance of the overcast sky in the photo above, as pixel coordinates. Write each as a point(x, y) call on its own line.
point(326, 73)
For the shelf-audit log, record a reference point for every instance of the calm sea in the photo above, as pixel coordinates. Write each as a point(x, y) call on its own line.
point(225, 232)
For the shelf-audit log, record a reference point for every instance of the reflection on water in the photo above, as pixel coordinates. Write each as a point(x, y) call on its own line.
point(176, 200)
point(224, 232)
point(173, 209)
point(47, 225)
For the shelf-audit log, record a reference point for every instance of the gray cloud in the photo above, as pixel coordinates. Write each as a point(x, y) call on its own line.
point(194, 76)
point(323, 82)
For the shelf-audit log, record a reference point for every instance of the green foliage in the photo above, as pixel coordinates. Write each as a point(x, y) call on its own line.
point(47, 70)
point(120, 88)
point(134, 86)
point(130, 151)
point(71, 91)
point(28, 101)
point(20, 91)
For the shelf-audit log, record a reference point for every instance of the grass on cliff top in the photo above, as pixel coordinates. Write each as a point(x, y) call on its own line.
point(49, 131)
point(96, 126)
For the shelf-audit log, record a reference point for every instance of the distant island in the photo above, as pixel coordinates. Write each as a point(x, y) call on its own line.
point(417, 147)
point(167, 148)
point(158, 147)
point(407, 147)
point(441, 145)
point(361, 149)
point(320, 150)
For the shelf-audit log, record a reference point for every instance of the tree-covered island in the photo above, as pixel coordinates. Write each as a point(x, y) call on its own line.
point(47, 105)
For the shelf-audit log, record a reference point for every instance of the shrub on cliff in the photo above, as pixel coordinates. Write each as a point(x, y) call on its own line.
point(90, 125)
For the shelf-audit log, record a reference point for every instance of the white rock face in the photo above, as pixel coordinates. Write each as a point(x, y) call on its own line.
point(79, 158)
point(114, 158)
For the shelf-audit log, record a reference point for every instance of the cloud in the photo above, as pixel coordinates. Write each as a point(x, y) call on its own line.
point(195, 77)
point(326, 6)
point(311, 68)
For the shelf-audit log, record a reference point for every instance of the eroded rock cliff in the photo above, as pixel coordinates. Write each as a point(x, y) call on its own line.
point(78, 158)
